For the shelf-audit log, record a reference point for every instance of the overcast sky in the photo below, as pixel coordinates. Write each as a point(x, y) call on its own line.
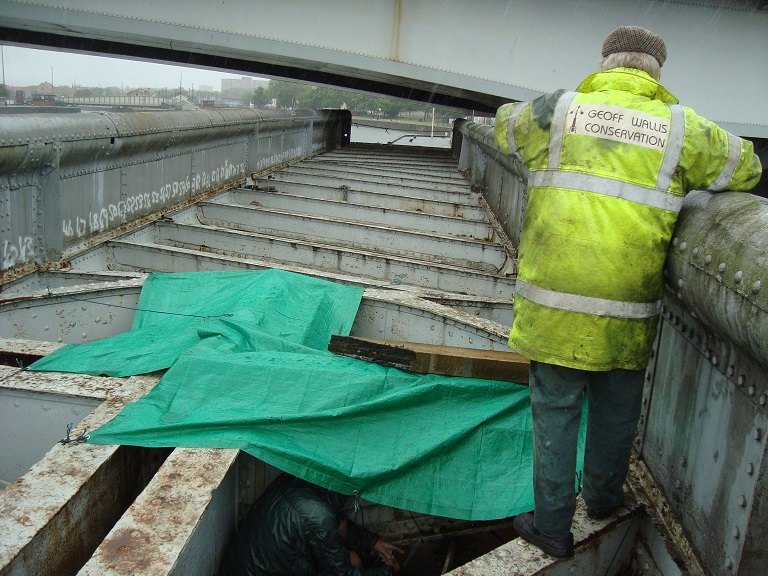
point(28, 67)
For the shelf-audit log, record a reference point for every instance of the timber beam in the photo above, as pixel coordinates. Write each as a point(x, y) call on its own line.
point(435, 359)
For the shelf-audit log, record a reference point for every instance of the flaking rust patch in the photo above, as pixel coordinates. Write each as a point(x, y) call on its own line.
point(127, 549)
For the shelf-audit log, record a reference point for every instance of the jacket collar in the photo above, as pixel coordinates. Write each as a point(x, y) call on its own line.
point(628, 80)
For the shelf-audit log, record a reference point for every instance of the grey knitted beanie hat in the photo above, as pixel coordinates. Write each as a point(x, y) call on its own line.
point(635, 39)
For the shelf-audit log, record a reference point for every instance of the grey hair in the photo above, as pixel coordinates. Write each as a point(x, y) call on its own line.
point(636, 60)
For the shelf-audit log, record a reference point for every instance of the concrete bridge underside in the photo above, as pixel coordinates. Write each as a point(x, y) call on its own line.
point(468, 55)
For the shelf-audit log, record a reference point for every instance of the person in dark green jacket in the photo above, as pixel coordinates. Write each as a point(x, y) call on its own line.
point(299, 529)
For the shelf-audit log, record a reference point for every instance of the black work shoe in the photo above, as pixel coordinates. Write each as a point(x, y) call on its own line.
point(557, 547)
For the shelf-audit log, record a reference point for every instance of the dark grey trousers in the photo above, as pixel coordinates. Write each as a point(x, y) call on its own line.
point(613, 399)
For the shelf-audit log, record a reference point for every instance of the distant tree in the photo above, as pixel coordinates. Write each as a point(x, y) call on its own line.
point(84, 92)
point(4, 92)
point(259, 97)
point(288, 94)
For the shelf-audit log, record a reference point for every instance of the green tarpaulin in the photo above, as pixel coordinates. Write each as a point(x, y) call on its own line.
point(249, 368)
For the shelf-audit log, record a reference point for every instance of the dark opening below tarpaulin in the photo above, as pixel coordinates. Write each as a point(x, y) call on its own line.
point(249, 368)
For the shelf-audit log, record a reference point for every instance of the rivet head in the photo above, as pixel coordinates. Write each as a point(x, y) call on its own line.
point(736, 532)
point(763, 400)
point(743, 501)
point(683, 246)
point(758, 434)
point(738, 277)
point(708, 259)
point(741, 380)
point(750, 469)
point(680, 283)
point(756, 287)
point(696, 251)
point(721, 268)
point(752, 390)
point(674, 241)
point(714, 360)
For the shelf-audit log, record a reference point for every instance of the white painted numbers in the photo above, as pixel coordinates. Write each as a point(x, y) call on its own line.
point(101, 218)
point(279, 158)
point(15, 252)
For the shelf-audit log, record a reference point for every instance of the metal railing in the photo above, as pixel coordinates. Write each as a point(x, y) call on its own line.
point(67, 180)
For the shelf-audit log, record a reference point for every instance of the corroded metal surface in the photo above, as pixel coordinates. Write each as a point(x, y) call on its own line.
point(601, 548)
point(55, 515)
point(712, 470)
point(154, 536)
point(717, 265)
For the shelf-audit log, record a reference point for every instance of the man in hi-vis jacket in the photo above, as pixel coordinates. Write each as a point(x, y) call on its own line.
point(610, 164)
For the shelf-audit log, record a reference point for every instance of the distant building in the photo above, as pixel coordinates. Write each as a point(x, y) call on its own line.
point(206, 88)
point(139, 92)
point(238, 86)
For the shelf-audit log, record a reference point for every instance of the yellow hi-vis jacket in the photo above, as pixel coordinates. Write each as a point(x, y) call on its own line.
point(609, 167)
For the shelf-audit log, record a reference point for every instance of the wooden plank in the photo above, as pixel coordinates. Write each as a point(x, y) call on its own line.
point(435, 359)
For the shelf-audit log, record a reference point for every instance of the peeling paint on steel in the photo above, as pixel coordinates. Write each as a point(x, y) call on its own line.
point(30, 506)
point(154, 531)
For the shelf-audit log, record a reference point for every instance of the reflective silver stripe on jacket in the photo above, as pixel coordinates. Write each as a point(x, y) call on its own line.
point(557, 129)
point(606, 187)
point(511, 143)
point(674, 148)
point(734, 154)
point(587, 304)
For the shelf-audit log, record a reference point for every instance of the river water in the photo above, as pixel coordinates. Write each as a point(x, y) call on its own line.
point(368, 134)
